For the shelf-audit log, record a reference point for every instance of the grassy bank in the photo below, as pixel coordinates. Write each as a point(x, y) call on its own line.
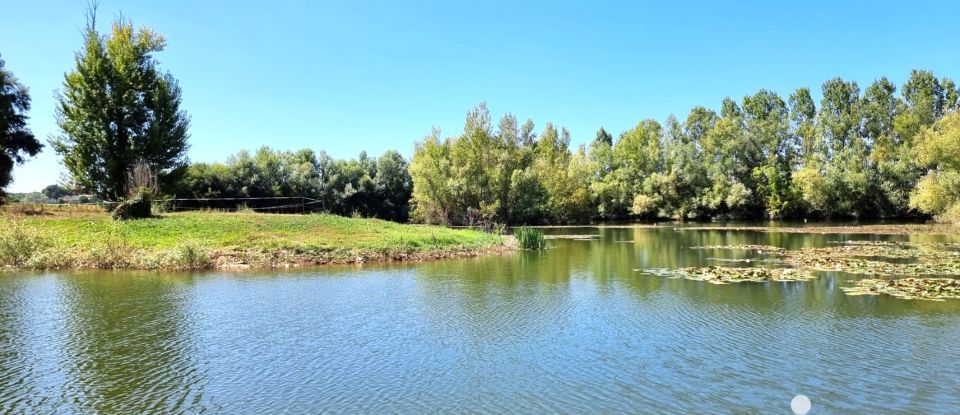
point(202, 240)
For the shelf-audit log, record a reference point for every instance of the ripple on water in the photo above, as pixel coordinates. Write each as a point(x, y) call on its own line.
point(571, 330)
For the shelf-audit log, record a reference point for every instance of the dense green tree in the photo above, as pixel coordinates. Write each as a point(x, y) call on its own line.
point(16, 141)
point(803, 113)
point(393, 186)
point(728, 195)
point(896, 174)
point(431, 168)
point(846, 168)
point(938, 150)
point(117, 107)
point(769, 150)
point(368, 187)
point(608, 192)
point(604, 137)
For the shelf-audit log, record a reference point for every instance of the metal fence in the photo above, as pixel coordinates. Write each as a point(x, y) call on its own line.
point(292, 204)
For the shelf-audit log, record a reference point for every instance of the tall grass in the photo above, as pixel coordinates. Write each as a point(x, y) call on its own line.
point(530, 238)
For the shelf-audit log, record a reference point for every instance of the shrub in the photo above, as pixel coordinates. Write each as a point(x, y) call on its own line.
point(951, 215)
point(530, 238)
point(136, 206)
point(112, 252)
point(189, 257)
point(18, 244)
point(163, 205)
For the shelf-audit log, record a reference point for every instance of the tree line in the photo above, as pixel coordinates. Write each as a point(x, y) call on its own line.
point(363, 186)
point(877, 152)
point(858, 154)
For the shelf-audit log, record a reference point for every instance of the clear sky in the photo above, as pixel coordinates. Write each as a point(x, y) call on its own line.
point(358, 75)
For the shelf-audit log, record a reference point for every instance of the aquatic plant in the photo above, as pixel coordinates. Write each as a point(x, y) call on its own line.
point(934, 289)
point(530, 238)
point(866, 257)
point(725, 275)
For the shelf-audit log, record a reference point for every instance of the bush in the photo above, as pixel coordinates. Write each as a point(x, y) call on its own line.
point(134, 207)
point(951, 215)
point(189, 257)
point(18, 244)
point(530, 238)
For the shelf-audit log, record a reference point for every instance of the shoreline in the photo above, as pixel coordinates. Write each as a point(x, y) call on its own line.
point(228, 241)
point(250, 260)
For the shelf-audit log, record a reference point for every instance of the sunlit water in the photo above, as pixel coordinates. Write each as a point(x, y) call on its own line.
point(574, 329)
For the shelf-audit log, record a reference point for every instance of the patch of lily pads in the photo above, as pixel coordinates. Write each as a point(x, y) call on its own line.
point(760, 249)
point(726, 275)
point(934, 289)
point(865, 257)
point(921, 261)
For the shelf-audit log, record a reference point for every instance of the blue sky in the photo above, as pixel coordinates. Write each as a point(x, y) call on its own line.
point(348, 76)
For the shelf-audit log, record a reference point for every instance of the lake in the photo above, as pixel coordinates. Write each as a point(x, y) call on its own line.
point(573, 329)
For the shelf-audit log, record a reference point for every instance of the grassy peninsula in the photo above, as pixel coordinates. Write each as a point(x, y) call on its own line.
point(221, 240)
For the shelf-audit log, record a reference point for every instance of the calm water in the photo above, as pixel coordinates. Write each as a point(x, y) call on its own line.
point(574, 329)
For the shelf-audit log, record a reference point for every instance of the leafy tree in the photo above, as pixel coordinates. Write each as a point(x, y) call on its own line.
point(638, 156)
point(727, 195)
point(369, 187)
point(896, 174)
point(16, 141)
point(433, 199)
point(770, 150)
point(116, 108)
point(938, 149)
point(852, 155)
point(604, 137)
point(607, 190)
point(393, 187)
point(925, 96)
point(803, 113)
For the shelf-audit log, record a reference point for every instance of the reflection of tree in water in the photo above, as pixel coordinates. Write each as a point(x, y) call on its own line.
point(498, 298)
point(613, 260)
point(128, 345)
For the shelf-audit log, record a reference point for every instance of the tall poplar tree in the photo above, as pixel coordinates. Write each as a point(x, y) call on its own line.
point(118, 108)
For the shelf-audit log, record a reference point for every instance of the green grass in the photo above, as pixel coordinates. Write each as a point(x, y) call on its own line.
point(184, 240)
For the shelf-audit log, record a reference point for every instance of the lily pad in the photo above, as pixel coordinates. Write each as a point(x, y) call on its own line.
point(725, 275)
point(759, 248)
point(934, 289)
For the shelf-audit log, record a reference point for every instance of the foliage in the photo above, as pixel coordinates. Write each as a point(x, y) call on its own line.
point(530, 238)
point(137, 206)
point(188, 257)
point(859, 154)
point(937, 147)
point(16, 141)
point(19, 243)
point(378, 188)
point(117, 107)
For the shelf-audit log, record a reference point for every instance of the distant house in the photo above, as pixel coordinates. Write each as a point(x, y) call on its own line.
point(77, 199)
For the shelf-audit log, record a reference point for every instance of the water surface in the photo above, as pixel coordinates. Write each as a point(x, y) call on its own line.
point(574, 329)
